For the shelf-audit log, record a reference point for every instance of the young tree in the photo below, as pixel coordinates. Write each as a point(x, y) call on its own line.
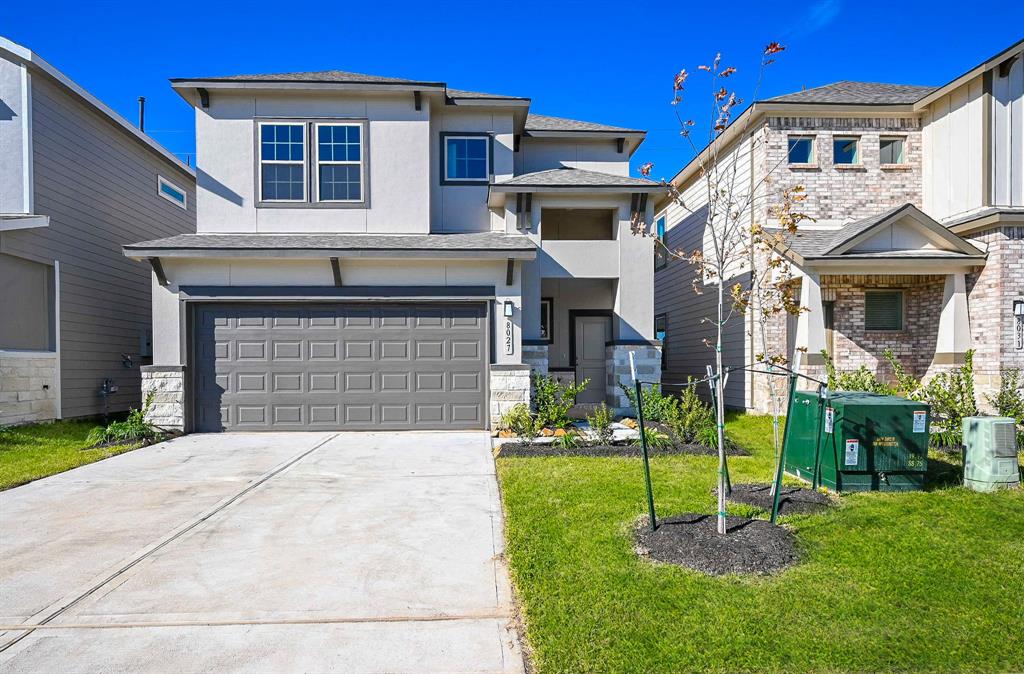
point(730, 197)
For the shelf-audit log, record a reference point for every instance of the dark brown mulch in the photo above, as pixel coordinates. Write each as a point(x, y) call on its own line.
point(692, 540)
point(540, 449)
point(791, 499)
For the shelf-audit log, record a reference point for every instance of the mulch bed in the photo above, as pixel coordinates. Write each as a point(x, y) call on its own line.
point(540, 449)
point(791, 499)
point(692, 540)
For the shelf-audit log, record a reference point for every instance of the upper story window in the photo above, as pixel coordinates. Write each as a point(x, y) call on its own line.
point(282, 162)
point(883, 310)
point(801, 150)
point(846, 150)
point(660, 252)
point(339, 162)
point(171, 192)
point(891, 150)
point(466, 158)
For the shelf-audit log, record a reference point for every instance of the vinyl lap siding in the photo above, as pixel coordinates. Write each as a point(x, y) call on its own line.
point(684, 351)
point(99, 187)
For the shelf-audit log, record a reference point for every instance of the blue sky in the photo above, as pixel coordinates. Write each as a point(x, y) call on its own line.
point(597, 61)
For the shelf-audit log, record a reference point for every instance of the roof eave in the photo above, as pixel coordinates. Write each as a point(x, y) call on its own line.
point(985, 66)
point(143, 253)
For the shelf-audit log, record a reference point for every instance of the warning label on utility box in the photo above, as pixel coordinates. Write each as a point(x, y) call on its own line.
point(852, 452)
point(920, 421)
point(830, 418)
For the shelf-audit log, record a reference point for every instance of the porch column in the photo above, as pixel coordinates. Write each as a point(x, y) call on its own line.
point(954, 338)
point(810, 326)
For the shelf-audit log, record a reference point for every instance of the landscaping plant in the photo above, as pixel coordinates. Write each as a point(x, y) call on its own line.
point(520, 421)
point(568, 440)
point(689, 420)
point(134, 429)
point(1009, 401)
point(600, 421)
point(553, 400)
point(655, 403)
point(655, 439)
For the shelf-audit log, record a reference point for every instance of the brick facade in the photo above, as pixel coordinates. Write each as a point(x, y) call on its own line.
point(647, 358)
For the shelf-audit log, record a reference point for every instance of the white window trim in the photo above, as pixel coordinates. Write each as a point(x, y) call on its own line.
point(858, 159)
point(903, 150)
point(161, 181)
point(261, 161)
point(315, 141)
point(812, 158)
point(487, 159)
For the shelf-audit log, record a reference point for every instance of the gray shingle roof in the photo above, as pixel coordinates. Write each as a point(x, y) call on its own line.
point(857, 93)
point(571, 177)
point(459, 93)
point(547, 123)
point(468, 241)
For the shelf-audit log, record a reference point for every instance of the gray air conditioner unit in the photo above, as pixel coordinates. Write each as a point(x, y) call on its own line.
point(990, 453)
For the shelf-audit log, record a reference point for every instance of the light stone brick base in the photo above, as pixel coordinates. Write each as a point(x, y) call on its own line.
point(510, 386)
point(28, 387)
point(167, 382)
point(648, 370)
point(536, 356)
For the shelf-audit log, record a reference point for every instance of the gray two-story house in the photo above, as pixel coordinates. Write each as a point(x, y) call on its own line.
point(77, 182)
point(383, 253)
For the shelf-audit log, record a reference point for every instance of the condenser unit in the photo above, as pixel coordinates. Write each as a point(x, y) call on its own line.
point(990, 453)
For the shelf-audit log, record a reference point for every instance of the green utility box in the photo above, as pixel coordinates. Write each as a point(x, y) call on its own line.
point(866, 442)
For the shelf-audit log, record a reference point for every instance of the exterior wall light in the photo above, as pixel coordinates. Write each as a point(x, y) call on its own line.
point(508, 307)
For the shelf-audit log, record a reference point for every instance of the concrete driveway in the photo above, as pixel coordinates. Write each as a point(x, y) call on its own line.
point(262, 552)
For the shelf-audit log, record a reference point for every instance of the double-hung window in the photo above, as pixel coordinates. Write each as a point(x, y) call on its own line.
point(466, 159)
point(339, 162)
point(282, 162)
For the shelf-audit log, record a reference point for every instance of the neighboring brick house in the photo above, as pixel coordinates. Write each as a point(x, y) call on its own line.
point(917, 237)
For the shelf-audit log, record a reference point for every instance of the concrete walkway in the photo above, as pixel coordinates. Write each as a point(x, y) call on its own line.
point(262, 552)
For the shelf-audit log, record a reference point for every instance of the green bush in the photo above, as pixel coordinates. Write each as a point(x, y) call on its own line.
point(689, 420)
point(655, 402)
point(861, 379)
point(520, 421)
point(655, 440)
point(601, 424)
point(133, 429)
point(553, 400)
point(951, 396)
point(570, 440)
point(1009, 401)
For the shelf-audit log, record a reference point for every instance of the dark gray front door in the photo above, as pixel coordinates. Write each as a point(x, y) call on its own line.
point(340, 366)
point(592, 334)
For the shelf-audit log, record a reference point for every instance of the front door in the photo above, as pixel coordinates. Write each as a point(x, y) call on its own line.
point(592, 334)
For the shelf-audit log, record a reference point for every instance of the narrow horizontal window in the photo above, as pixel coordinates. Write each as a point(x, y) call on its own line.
point(845, 151)
point(282, 162)
point(171, 192)
point(339, 162)
point(890, 150)
point(883, 310)
point(801, 150)
point(466, 158)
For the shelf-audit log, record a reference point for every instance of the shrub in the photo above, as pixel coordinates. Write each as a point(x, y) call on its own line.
point(520, 420)
point(1009, 401)
point(655, 440)
point(552, 400)
point(601, 424)
point(655, 402)
point(951, 396)
point(689, 420)
point(861, 379)
point(133, 429)
point(570, 440)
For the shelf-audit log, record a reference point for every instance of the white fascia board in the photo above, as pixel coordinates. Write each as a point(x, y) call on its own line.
point(33, 60)
point(13, 222)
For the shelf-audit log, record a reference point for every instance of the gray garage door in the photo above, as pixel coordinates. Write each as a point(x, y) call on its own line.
point(340, 366)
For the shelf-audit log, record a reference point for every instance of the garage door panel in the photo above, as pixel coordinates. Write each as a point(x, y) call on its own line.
point(353, 367)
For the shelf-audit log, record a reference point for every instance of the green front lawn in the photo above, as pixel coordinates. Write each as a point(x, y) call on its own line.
point(30, 452)
point(930, 581)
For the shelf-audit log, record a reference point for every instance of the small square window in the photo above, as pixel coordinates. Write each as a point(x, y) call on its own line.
point(883, 310)
point(890, 151)
point(801, 150)
point(466, 158)
point(846, 151)
point(168, 190)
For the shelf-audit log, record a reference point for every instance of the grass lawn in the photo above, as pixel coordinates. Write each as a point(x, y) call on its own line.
point(30, 452)
point(929, 581)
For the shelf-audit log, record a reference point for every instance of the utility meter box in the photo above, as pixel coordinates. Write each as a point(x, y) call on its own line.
point(865, 441)
point(990, 453)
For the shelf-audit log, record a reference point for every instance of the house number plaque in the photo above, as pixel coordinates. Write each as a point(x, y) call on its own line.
point(509, 343)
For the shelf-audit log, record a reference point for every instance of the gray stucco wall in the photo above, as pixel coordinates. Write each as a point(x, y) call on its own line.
point(99, 187)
